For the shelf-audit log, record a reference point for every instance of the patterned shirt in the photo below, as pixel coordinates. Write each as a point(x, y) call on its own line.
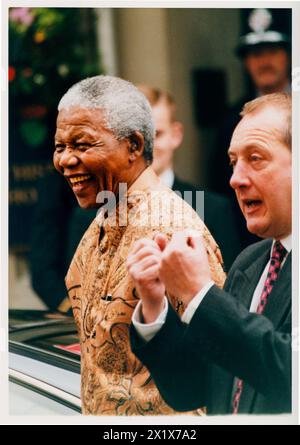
point(103, 296)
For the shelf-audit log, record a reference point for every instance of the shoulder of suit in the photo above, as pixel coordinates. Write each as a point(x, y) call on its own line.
point(251, 253)
point(216, 198)
point(182, 186)
point(209, 196)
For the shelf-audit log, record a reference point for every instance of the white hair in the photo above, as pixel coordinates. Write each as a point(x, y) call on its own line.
point(125, 108)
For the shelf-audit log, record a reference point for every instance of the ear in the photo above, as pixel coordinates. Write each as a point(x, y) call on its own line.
point(177, 134)
point(136, 146)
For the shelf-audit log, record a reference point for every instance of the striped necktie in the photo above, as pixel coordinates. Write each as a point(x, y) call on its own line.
point(278, 255)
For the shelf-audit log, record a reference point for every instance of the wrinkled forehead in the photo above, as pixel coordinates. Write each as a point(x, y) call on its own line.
point(266, 126)
point(75, 120)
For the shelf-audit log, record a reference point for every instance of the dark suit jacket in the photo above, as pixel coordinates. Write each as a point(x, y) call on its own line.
point(56, 232)
point(219, 218)
point(194, 365)
point(222, 171)
point(48, 261)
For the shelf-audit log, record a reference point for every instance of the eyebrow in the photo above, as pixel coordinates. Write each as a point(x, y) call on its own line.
point(82, 135)
point(247, 147)
point(73, 137)
point(230, 151)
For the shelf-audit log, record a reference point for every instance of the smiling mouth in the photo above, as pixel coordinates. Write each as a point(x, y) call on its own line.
point(79, 180)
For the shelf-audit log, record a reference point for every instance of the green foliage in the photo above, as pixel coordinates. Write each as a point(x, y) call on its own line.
point(33, 132)
point(49, 50)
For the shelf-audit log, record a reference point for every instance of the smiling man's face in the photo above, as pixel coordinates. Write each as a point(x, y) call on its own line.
point(262, 172)
point(89, 155)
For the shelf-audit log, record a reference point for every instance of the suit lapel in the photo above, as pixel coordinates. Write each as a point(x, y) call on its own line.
point(242, 286)
point(247, 280)
point(279, 300)
point(276, 309)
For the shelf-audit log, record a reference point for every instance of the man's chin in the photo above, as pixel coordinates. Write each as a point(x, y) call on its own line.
point(257, 229)
point(267, 85)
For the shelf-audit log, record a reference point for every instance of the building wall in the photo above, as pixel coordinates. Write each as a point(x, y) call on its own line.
point(162, 47)
point(143, 47)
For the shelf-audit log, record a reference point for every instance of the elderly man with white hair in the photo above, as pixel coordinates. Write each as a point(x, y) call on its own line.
point(103, 147)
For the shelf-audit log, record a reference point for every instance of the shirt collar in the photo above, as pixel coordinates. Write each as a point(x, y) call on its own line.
point(286, 242)
point(167, 177)
point(147, 180)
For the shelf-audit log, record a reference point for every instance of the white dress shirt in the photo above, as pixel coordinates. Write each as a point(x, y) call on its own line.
point(148, 331)
point(168, 177)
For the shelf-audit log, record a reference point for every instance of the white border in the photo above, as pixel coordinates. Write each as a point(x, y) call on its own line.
point(155, 420)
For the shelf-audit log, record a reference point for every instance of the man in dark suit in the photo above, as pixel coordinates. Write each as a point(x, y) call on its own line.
point(218, 212)
point(265, 51)
point(231, 350)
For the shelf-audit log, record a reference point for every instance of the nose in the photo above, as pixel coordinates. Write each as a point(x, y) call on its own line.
point(240, 177)
point(265, 59)
point(68, 159)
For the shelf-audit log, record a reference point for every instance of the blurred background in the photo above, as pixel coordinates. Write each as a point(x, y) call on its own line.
point(191, 53)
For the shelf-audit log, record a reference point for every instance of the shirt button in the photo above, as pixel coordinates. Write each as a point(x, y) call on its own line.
point(102, 248)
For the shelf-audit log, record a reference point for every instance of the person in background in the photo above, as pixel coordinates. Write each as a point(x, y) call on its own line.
point(218, 212)
point(56, 232)
point(49, 256)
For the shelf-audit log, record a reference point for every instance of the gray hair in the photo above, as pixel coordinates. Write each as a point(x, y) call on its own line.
point(281, 101)
point(126, 109)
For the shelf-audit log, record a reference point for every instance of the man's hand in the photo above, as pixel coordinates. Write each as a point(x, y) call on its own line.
point(143, 265)
point(184, 265)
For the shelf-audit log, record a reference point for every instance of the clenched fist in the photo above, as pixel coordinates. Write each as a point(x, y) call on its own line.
point(184, 265)
point(180, 265)
point(143, 263)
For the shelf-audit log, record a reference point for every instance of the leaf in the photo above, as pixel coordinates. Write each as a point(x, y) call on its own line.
point(33, 132)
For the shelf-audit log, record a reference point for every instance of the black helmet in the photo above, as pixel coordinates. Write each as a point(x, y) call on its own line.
point(265, 27)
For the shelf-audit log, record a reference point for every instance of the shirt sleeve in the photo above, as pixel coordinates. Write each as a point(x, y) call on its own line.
point(195, 302)
point(149, 330)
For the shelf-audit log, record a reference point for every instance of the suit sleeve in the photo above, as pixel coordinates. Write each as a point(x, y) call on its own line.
point(181, 377)
point(222, 332)
point(244, 344)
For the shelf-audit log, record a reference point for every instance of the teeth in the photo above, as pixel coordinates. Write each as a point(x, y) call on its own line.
point(77, 179)
point(252, 202)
